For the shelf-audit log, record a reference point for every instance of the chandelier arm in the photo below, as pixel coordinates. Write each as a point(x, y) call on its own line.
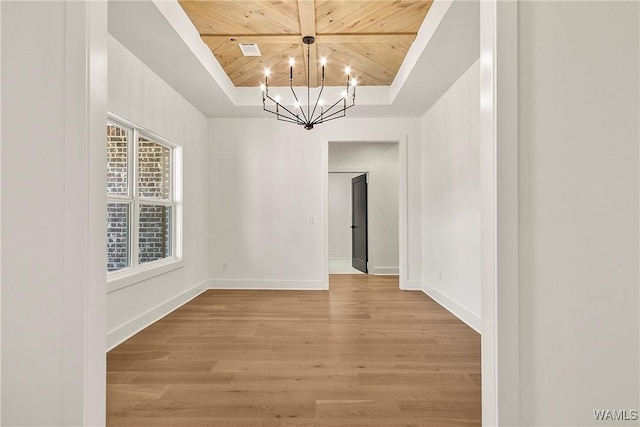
point(334, 114)
point(288, 120)
point(333, 118)
point(327, 114)
point(294, 119)
point(305, 119)
point(315, 106)
point(277, 113)
point(293, 91)
point(284, 117)
point(342, 110)
point(332, 107)
point(292, 115)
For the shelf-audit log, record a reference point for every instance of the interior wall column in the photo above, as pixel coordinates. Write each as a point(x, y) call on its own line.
point(499, 210)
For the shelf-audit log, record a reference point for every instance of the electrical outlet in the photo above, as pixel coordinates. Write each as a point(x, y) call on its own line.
point(225, 266)
point(312, 220)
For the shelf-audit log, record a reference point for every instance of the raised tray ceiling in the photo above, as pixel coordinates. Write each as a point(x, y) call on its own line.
point(372, 37)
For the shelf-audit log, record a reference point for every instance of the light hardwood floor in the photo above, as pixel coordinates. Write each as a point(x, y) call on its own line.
point(362, 354)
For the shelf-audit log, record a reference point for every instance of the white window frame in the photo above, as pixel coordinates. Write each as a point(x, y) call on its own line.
point(137, 272)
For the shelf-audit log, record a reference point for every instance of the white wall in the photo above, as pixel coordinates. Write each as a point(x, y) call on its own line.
point(139, 95)
point(579, 192)
point(340, 218)
point(265, 182)
point(451, 198)
point(381, 161)
point(54, 89)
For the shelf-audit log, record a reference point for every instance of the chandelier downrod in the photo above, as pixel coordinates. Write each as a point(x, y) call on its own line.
point(298, 116)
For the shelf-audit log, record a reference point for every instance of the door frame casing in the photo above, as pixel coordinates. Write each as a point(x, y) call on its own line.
point(403, 207)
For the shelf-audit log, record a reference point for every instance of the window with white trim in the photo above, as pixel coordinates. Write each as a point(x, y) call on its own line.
point(142, 205)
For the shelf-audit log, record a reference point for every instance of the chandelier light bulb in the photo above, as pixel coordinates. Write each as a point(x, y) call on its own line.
point(267, 72)
point(347, 70)
point(323, 61)
point(344, 94)
point(292, 62)
point(263, 87)
point(354, 82)
point(277, 99)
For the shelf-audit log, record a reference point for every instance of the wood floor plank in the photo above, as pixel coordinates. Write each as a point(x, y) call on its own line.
point(362, 354)
point(211, 407)
point(344, 409)
point(369, 422)
point(127, 421)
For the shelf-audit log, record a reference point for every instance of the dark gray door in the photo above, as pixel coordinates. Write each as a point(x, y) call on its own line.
point(359, 223)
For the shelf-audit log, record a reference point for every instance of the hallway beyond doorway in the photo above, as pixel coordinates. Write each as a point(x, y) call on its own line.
point(342, 266)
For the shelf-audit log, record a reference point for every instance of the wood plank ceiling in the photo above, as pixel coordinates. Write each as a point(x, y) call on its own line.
point(370, 36)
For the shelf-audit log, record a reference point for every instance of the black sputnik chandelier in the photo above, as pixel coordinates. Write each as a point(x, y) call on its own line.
point(313, 115)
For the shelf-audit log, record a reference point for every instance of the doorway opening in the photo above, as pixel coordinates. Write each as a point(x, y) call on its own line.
point(346, 255)
point(365, 207)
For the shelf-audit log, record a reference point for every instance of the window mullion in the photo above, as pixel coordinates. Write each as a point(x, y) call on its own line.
point(118, 199)
point(150, 201)
point(130, 236)
point(172, 196)
point(135, 245)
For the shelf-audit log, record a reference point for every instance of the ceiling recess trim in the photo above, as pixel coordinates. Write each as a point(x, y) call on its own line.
point(244, 97)
point(371, 37)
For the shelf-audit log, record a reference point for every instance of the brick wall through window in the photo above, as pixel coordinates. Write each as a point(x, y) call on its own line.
point(140, 205)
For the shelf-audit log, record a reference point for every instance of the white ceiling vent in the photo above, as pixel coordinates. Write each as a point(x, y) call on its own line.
point(250, 49)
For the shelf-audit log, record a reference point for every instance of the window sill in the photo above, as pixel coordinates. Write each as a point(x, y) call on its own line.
point(130, 277)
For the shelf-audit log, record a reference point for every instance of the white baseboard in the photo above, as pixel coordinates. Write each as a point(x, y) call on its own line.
point(412, 285)
point(340, 256)
point(298, 285)
point(385, 271)
point(122, 333)
point(473, 321)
